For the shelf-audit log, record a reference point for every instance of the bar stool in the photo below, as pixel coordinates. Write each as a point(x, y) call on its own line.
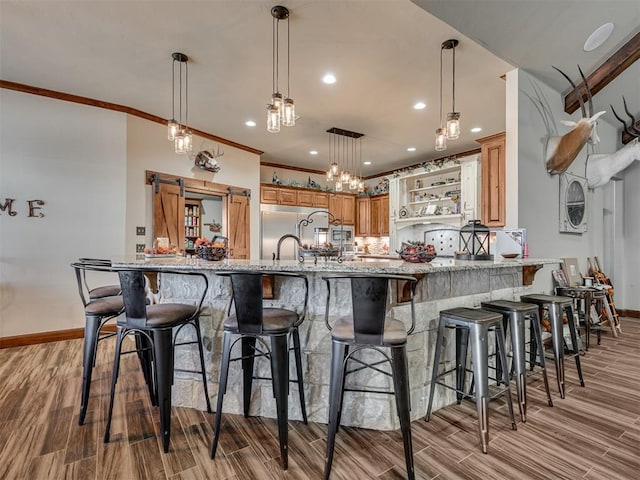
point(252, 321)
point(156, 323)
point(586, 296)
point(514, 315)
point(103, 290)
point(367, 328)
point(97, 311)
point(475, 323)
point(556, 305)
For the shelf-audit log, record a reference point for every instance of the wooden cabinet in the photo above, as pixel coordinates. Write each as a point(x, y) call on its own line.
point(343, 208)
point(269, 194)
point(372, 216)
point(363, 216)
point(321, 200)
point(493, 150)
point(272, 194)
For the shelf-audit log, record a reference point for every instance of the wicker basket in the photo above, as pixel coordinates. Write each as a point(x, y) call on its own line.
point(211, 253)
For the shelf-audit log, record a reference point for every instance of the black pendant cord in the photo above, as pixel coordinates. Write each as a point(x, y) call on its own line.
point(186, 94)
point(277, 55)
point(288, 56)
point(454, 80)
point(173, 90)
point(180, 98)
point(273, 55)
point(441, 87)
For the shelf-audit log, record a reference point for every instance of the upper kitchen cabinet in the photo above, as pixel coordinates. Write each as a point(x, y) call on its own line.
point(302, 197)
point(446, 194)
point(343, 208)
point(372, 216)
point(493, 150)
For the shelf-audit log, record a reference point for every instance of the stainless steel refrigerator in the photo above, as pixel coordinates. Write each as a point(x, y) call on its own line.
point(279, 220)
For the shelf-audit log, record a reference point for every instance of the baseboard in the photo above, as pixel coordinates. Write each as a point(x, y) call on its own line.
point(44, 337)
point(628, 313)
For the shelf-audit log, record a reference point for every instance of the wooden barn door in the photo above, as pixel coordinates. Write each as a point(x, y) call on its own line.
point(238, 216)
point(168, 213)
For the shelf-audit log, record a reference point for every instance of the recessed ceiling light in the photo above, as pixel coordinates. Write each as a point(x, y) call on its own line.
point(476, 130)
point(366, 163)
point(329, 78)
point(598, 37)
point(411, 149)
point(250, 123)
point(313, 152)
point(420, 105)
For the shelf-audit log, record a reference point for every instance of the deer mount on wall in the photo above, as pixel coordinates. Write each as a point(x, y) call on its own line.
point(207, 159)
point(561, 151)
point(600, 168)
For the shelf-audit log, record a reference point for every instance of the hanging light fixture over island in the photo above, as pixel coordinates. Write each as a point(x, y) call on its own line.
point(280, 111)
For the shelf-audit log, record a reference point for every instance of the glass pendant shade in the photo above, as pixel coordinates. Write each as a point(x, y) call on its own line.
point(188, 141)
point(453, 125)
point(288, 113)
point(334, 169)
point(441, 139)
point(353, 183)
point(179, 143)
point(273, 119)
point(329, 175)
point(276, 101)
point(360, 186)
point(172, 129)
point(338, 186)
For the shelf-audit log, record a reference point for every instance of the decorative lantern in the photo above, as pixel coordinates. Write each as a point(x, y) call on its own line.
point(320, 236)
point(474, 242)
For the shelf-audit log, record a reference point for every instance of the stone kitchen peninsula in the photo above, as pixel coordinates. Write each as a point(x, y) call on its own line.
point(444, 283)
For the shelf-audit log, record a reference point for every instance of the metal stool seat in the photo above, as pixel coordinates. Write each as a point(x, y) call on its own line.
point(368, 328)
point(556, 305)
point(587, 295)
point(514, 315)
point(475, 323)
point(251, 323)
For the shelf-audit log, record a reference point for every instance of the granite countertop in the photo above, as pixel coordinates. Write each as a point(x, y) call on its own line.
point(370, 265)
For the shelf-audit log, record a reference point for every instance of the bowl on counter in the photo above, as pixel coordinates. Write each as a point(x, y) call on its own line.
point(417, 252)
point(509, 255)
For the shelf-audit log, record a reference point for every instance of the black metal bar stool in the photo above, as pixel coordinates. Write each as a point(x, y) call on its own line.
point(556, 306)
point(474, 323)
point(514, 315)
point(156, 324)
point(252, 321)
point(587, 296)
point(368, 328)
point(98, 310)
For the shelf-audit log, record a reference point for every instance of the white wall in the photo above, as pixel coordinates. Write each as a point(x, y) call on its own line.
point(88, 164)
point(149, 149)
point(72, 157)
point(538, 192)
point(626, 284)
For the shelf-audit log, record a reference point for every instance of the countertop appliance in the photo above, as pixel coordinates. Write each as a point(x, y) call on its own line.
point(279, 220)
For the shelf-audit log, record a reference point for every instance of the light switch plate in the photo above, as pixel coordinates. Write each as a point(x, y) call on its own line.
point(140, 230)
point(139, 247)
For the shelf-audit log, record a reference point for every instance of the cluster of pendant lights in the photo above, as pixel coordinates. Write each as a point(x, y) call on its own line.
point(452, 129)
point(280, 111)
point(179, 132)
point(345, 155)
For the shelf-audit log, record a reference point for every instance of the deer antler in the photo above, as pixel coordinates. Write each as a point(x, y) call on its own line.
point(575, 89)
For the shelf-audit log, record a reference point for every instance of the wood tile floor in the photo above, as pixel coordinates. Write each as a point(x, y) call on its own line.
point(594, 433)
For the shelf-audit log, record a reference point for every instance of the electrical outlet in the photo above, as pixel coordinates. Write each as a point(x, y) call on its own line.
point(140, 230)
point(139, 247)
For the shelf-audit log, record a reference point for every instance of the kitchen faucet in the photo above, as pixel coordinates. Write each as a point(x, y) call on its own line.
point(276, 256)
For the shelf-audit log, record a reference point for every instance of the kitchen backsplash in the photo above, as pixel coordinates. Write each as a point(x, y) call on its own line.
point(375, 245)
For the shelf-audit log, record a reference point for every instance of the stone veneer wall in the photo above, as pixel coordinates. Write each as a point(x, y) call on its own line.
point(438, 291)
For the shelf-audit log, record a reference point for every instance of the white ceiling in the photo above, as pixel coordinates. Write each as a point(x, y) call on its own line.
point(384, 53)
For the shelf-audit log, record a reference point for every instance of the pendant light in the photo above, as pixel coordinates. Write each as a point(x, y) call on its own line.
point(453, 117)
point(179, 132)
point(345, 152)
point(280, 110)
point(441, 136)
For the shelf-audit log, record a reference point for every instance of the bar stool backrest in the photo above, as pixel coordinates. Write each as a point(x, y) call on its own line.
point(84, 265)
point(134, 298)
point(247, 297)
point(369, 299)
